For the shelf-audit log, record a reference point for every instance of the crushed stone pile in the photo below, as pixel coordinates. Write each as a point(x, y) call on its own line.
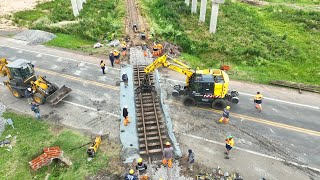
point(34, 37)
point(2, 120)
point(168, 174)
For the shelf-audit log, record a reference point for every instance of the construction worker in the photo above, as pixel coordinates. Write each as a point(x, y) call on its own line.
point(125, 79)
point(35, 108)
point(142, 169)
point(225, 115)
point(155, 49)
point(125, 114)
point(190, 160)
point(103, 66)
point(28, 95)
point(167, 155)
point(116, 55)
point(111, 57)
point(229, 145)
point(258, 101)
point(124, 48)
point(159, 47)
point(145, 48)
point(131, 175)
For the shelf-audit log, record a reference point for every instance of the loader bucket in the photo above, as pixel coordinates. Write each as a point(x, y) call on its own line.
point(58, 95)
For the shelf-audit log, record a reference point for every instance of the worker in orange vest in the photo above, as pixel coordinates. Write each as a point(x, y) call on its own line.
point(225, 115)
point(167, 155)
point(125, 114)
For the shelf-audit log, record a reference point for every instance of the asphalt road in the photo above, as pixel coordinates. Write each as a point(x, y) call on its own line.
point(289, 121)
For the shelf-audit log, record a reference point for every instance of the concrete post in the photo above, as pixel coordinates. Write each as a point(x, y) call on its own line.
point(187, 2)
point(194, 6)
point(214, 15)
point(79, 4)
point(203, 9)
point(75, 8)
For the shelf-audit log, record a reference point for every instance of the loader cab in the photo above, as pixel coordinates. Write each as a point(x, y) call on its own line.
point(21, 72)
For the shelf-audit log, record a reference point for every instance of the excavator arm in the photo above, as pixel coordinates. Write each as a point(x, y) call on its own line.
point(178, 67)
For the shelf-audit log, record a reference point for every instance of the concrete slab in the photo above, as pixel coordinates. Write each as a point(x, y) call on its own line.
point(128, 134)
point(166, 115)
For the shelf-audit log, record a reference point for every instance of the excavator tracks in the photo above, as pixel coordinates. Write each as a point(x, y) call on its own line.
point(150, 125)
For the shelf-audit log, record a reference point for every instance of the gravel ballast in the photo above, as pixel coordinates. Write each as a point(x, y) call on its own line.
point(35, 37)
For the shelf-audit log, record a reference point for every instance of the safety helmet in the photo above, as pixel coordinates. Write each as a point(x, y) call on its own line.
point(131, 171)
point(124, 73)
point(167, 143)
point(140, 160)
point(230, 137)
point(29, 89)
point(111, 52)
point(115, 50)
point(126, 106)
point(228, 107)
point(160, 179)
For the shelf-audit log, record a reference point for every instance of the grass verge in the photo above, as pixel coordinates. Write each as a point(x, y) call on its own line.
point(98, 20)
point(32, 136)
point(260, 43)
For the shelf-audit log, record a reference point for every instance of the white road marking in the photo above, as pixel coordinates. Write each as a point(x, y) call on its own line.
point(59, 57)
point(246, 94)
point(90, 108)
point(271, 99)
point(271, 130)
point(39, 55)
point(253, 152)
point(77, 72)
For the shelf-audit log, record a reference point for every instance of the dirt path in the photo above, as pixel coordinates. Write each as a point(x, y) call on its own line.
point(134, 18)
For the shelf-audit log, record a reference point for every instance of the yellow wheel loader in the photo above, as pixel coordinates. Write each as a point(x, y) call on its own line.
point(21, 75)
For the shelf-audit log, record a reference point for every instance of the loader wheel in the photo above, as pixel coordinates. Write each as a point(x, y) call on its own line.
point(16, 93)
point(189, 101)
point(219, 104)
point(39, 98)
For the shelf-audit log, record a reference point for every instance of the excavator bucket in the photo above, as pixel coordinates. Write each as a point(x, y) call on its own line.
point(58, 95)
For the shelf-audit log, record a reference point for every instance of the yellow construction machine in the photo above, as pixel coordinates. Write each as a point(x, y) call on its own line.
point(202, 86)
point(21, 75)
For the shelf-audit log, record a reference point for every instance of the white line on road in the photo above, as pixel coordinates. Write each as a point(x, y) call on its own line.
point(90, 108)
point(246, 94)
point(253, 152)
point(271, 99)
point(60, 58)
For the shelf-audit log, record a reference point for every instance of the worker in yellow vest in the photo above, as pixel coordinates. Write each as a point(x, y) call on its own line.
point(116, 55)
point(124, 48)
point(258, 101)
point(229, 145)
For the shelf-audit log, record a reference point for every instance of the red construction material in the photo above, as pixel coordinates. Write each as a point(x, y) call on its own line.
point(46, 158)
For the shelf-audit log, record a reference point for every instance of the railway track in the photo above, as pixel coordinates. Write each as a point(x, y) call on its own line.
point(150, 126)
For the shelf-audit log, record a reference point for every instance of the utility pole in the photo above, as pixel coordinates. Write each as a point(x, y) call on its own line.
point(79, 4)
point(214, 15)
point(203, 9)
point(194, 6)
point(187, 2)
point(75, 8)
